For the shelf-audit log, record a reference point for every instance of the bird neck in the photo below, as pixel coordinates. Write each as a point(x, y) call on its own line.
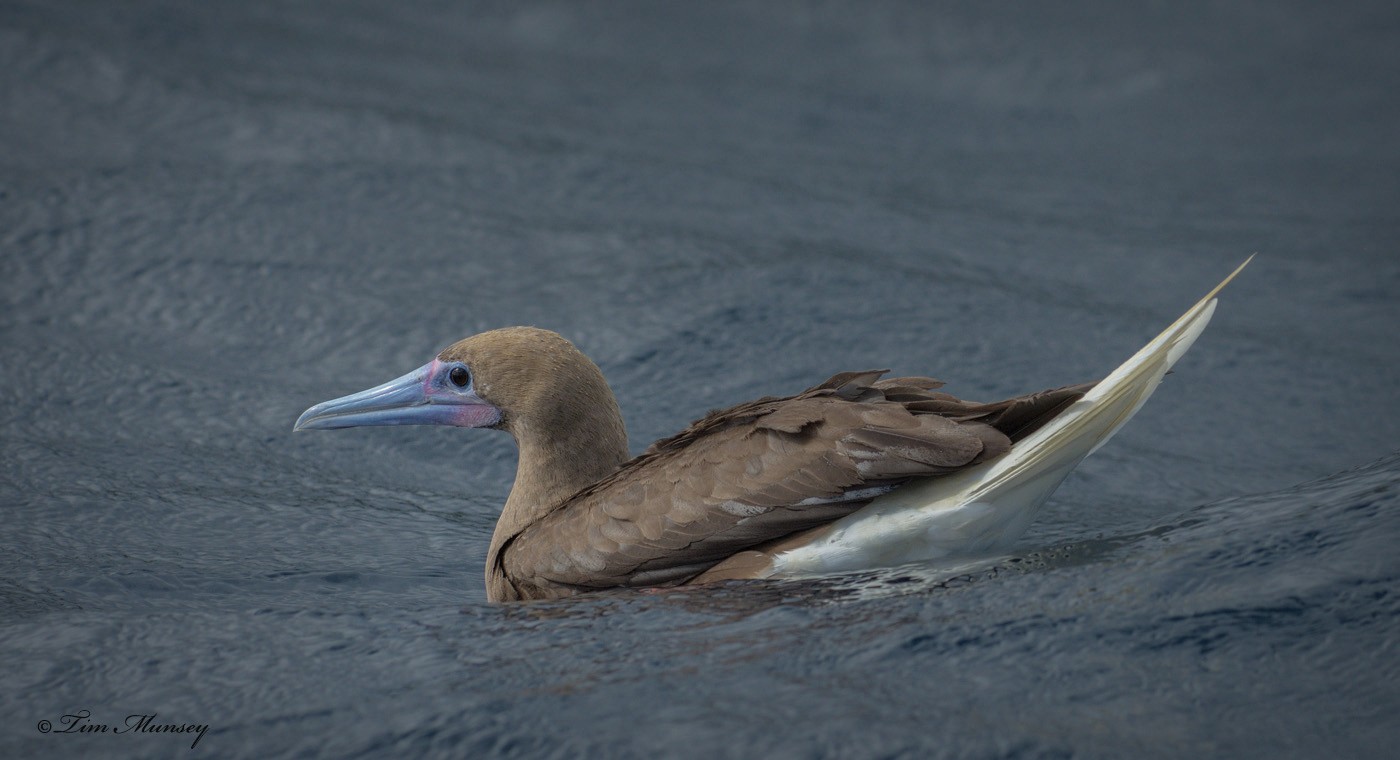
point(556, 461)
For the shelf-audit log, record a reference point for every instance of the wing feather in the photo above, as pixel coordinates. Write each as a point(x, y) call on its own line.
point(760, 471)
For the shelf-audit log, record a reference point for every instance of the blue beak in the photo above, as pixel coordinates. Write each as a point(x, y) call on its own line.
point(418, 398)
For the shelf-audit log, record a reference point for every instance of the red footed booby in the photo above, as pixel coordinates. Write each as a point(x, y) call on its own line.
point(855, 473)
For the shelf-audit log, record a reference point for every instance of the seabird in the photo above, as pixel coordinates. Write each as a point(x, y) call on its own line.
point(855, 473)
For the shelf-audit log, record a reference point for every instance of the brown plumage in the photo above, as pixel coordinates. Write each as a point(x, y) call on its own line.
point(710, 502)
point(856, 472)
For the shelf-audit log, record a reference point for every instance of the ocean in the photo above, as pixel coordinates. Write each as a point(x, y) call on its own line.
point(214, 215)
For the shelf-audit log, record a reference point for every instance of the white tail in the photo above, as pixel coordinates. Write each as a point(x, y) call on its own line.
point(989, 506)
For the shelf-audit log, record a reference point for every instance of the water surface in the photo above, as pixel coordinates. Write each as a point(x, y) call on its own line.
point(213, 215)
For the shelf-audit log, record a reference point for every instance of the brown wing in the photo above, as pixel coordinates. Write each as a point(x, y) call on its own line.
point(760, 471)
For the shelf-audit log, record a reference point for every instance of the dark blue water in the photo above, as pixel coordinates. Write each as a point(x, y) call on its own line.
point(215, 214)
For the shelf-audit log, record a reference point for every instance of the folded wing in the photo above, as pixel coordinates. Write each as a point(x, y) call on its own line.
point(760, 471)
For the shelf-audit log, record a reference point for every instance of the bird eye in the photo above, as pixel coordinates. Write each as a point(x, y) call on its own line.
point(460, 377)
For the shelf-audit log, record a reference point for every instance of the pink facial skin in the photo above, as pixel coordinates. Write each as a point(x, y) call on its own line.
point(425, 396)
point(467, 408)
point(481, 416)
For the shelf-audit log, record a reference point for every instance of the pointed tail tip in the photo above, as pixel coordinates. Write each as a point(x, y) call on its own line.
point(1232, 276)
